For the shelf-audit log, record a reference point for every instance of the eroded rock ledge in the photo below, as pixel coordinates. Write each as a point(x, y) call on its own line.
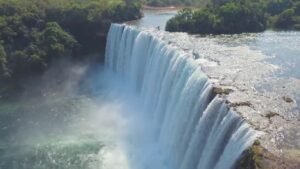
point(240, 75)
point(258, 157)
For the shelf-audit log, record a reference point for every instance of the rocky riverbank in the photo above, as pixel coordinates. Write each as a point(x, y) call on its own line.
point(267, 102)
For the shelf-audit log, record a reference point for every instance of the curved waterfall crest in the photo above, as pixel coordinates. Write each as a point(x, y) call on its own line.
point(194, 129)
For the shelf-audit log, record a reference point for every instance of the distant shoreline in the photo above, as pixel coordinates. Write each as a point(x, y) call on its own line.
point(147, 7)
point(154, 8)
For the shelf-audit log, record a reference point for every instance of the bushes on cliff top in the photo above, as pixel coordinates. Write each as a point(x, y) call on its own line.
point(235, 16)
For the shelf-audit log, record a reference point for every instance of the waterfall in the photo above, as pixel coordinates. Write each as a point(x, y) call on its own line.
point(194, 128)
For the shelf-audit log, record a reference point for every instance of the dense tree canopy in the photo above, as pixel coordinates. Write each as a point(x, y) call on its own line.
point(237, 16)
point(33, 33)
point(177, 2)
point(3, 69)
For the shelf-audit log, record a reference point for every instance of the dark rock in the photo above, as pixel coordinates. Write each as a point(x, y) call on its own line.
point(221, 91)
point(271, 114)
point(238, 104)
point(287, 99)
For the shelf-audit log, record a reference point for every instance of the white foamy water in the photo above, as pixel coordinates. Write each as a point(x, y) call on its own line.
point(182, 125)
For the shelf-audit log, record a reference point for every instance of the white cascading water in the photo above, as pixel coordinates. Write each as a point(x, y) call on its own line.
point(193, 128)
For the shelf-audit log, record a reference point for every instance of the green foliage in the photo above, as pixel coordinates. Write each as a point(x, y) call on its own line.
point(204, 21)
point(182, 21)
point(3, 69)
point(275, 7)
point(33, 33)
point(285, 19)
point(199, 3)
point(201, 21)
point(237, 16)
point(297, 8)
point(56, 41)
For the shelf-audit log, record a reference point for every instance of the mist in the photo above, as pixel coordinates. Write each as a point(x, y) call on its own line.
point(154, 109)
point(83, 110)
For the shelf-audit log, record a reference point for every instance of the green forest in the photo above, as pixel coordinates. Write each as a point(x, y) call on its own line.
point(33, 33)
point(198, 3)
point(238, 16)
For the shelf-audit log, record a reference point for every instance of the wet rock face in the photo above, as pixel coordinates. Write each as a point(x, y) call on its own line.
point(250, 84)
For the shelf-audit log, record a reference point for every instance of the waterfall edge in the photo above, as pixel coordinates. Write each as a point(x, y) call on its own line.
point(134, 53)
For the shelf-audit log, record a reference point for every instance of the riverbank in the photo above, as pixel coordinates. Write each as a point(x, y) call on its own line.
point(243, 77)
point(232, 17)
point(147, 7)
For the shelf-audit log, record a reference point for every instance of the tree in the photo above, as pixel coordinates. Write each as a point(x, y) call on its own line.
point(275, 7)
point(285, 19)
point(297, 8)
point(238, 18)
point(233, 17)
point(3, 69)
point(33, 33)
point(56, 41)
point(204, 22)
point(182, 21)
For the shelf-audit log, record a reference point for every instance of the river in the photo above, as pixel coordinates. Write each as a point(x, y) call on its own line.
point(262, 70)
point(84, 128)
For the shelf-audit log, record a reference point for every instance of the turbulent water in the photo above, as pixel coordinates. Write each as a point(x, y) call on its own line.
point(150, 106)
point(189, 126)
point(68, 128)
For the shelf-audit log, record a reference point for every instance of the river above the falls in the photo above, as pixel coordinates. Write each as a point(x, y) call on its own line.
point(278, 49)
point(281, 48)
point(260, 71)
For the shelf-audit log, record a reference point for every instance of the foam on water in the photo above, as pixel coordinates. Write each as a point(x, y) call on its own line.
point(183, 125)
